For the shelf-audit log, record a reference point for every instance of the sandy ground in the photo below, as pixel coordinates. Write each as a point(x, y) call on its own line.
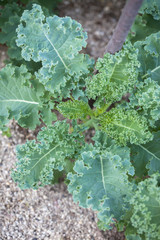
point(49, 213)
point(46, 214)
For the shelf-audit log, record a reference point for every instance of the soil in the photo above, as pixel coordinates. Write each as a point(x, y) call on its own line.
point(50, 213)
point(98, 18)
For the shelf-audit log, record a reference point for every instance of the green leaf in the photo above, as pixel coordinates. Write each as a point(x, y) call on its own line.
point(147, 157)
point(101, 182)
point(157, 126)
point(9, 10)
point(132, 237)
point(149, 57)
point(4, 2)
point(102, 142)
point(146, 99)
point(37, 161)
point(19, 100)
point(140, 157)
point(146, 209)
point(7, 133)
point(143, 27)
point(48, 116)
point(117, 75)
point(152, 8)
point(125, 126)
point(50, 4)
point(9, 20)
point(154, 152)
point(74, 109)
point(56, 43)
point(146, 23)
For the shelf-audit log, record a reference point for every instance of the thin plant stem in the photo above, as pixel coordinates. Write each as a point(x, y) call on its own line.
point(123, 26)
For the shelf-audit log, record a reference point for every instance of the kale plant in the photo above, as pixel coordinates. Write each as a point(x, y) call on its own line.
point(10, 14)
point(118, 173)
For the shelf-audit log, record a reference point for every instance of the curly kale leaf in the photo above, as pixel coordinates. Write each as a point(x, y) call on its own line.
point(74, 109)
point(117, 75)
point(145, 204)
point(149, 57)
point(143, 27)
point(125, 126)
point(103, 141)
point(101, 182)
point(146, 99)
point(19, 100)
point(9, 20)
point(56, 43)
point(37, 161)
point(147, 157)
point(152, 8)
point(147, 22)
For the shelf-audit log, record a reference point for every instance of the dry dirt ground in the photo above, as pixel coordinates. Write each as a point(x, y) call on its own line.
point(49, 213)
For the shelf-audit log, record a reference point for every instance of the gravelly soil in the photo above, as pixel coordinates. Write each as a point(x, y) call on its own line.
point(49, 213)
point(46, 214)
point(98, 18)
